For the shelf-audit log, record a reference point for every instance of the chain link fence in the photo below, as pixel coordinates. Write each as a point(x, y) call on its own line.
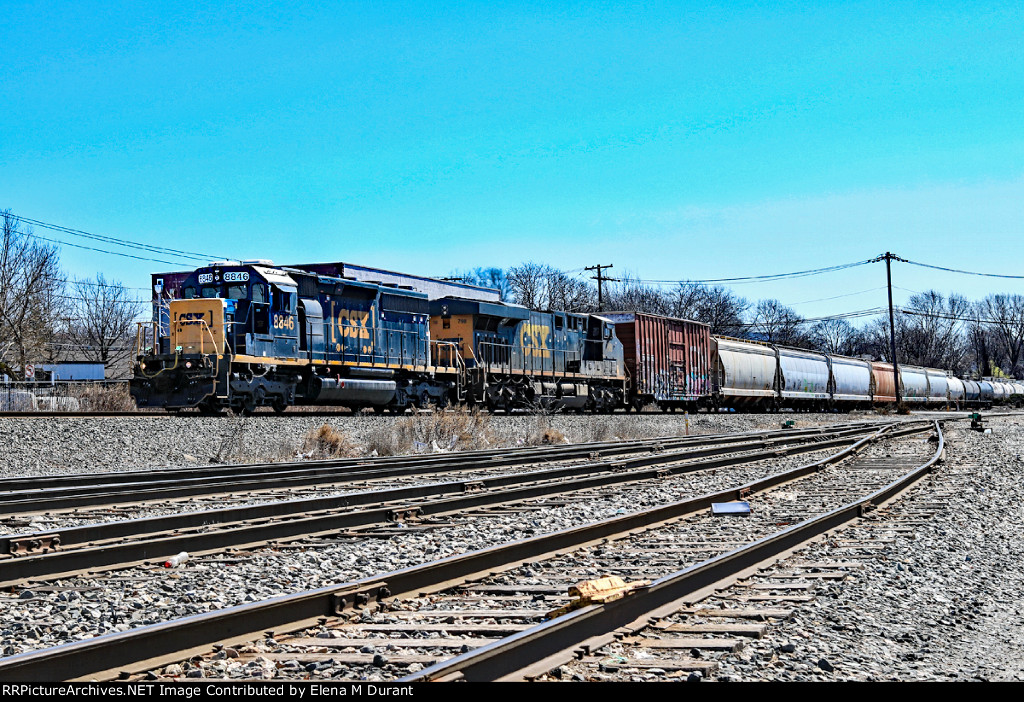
point(66, 396)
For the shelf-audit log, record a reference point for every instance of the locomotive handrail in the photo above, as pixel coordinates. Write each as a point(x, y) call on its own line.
point(452, 353)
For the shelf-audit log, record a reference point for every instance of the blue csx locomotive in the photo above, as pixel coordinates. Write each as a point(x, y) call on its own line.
point(246, 336)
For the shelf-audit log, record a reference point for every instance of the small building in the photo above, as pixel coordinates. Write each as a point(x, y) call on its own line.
point(69, 370)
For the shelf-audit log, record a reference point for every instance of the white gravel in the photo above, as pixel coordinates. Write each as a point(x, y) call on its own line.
point(62, 445)
point(943, 603)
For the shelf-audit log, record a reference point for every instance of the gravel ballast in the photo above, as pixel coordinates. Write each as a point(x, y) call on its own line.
point(943, 603)
point(65, 445)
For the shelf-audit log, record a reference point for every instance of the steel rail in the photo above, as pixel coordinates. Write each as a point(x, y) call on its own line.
point(67, 498)
point(559, 638)
point(498, 457)
point(159, 537)
point(111, 655)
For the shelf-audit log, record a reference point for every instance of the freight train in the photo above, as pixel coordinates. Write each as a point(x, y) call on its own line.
point(248, 335)
point(678, 364)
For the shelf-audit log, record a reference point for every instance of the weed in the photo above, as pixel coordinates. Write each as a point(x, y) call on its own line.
point(232, 443)
point(98, 398)
point(328, 442)
point(459, 429)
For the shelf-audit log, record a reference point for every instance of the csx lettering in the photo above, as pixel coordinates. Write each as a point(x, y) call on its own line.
point(534, 339)
point(190, 318)
point(353, 323)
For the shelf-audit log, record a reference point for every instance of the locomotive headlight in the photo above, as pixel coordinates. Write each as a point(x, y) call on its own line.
point(142, 366)
point(188, 364)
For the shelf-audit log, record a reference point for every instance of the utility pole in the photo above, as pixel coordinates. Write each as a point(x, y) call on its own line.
point(599, 278)
point(889, 258)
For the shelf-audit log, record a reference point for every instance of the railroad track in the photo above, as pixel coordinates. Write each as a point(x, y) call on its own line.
point(92, 547)
point(353, 603)
point(50, 493)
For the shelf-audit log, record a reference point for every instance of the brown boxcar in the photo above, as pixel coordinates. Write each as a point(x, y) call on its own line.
point(668, 359)
point(883, 385)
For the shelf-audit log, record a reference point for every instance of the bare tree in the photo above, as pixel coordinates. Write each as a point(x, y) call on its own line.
point(31, 300)
point(631, 295)
point(485, 277)
point(1006, 315)
point(775, 323)
point(528, 284)
point(538, 286)
point(103, 325)
point(930, 331)
point(836, 336)
point(718, 307)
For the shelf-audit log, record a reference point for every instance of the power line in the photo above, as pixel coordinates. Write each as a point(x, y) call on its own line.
point(943, 315)
point(842, 315)
point(128, 243)
point(90, 283)
point(112, 253)
point(836, 297)
point(760, 278)
point(957, 270)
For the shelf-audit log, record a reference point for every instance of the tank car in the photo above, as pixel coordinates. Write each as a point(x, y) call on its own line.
point(957, 392)
point(972, 393)
point(938, 388)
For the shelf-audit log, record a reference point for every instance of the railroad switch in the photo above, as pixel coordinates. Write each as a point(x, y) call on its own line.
point(976, 422)
point(866, 508)
point(403, 514)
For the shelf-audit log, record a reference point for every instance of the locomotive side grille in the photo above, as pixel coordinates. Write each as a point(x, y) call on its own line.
point(400, 303)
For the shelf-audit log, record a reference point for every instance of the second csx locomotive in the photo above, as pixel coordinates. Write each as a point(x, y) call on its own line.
point(248, 335)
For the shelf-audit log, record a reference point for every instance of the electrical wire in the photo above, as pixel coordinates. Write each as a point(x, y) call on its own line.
point(957, 270)
point(759, 278)
point(151, 248)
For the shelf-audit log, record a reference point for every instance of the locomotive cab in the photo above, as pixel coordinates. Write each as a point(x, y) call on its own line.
point(261, 315)
point(234, 325)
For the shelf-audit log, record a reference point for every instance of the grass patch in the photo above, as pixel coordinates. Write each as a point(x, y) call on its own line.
point(97, 398)
point(460, 429)
point(328, 442)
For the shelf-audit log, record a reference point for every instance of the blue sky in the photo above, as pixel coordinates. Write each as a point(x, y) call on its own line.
point(675, 140)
